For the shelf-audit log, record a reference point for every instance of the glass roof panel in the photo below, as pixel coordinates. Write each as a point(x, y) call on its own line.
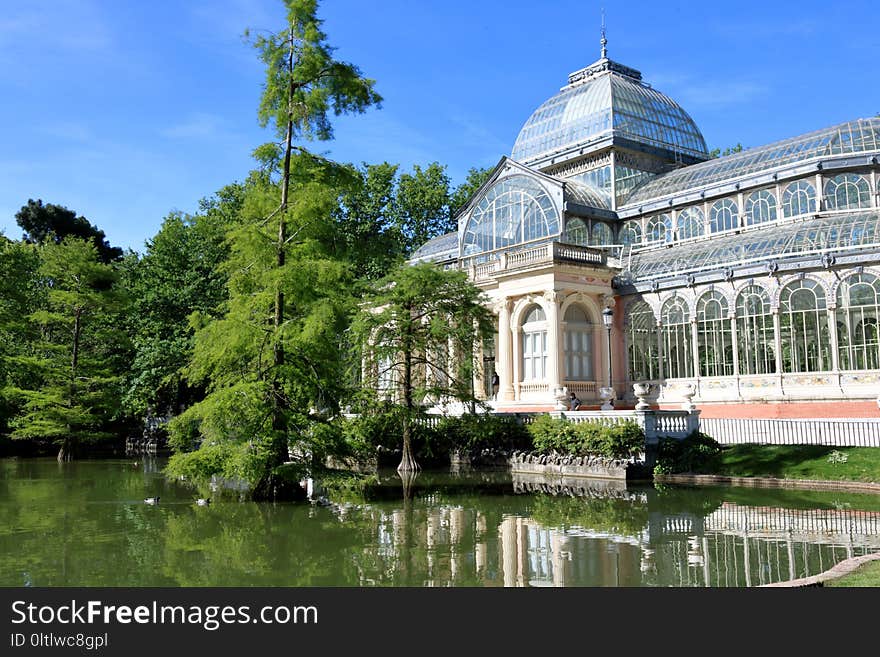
point(823, 233)
point(608, 104)
point(435, 249)
point(587, 195)
point(862, 135)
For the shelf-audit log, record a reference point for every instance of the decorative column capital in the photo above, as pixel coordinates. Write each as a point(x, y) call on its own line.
point(500, 306)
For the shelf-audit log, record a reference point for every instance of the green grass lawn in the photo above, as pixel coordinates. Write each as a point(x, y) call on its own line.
point(866, 575)
point(799, 462)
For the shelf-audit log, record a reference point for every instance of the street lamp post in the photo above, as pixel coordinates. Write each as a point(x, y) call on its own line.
point(608, 321)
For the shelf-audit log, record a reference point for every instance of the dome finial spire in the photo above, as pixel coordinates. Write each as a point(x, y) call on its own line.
point(603, 40)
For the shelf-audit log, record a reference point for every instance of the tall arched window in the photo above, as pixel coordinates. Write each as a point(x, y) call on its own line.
point(760, 207)
point(534, 345)
point(659, 228)
point(576, 231)
point(676, 331)
point(602, 234)
point(514, 210)
point(798, 198)
point(578, 345)
point(630, 232)
point(858, 313)
point(723, 215)
point(804, 327)
point(644, 363)
point(754, 332)
point(690, 223)
point(714, 337)
point(847, 191)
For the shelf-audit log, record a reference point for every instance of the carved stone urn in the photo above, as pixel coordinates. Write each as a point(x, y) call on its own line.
point(560, 394)
point(688, 393)
point(606, 394)
point(642, 390)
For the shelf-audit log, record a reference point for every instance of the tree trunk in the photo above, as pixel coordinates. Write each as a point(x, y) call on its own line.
point(65, 452)
point(407, 462)
point(270, 487)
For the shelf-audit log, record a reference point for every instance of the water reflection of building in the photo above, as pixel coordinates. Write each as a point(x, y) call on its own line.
point(748, 545)
point(436, 542)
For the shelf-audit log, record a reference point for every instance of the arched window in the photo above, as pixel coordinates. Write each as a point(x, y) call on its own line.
point(690, 223)
point(644, 363)
point(798, 198)
point(676, 331)
point(760, 207)
point(514, 210)
point(723, 215)
point(576, 231)
point(385, 382)
point(858, 313)
point(803, 325)
point(602, 234)
point(847, 191)
point(714, 337)
point(578, 345)
point(630, 232)
point(534, 345)
point(754, 331)
point(659, 228)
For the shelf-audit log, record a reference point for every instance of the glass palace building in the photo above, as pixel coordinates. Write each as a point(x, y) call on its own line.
point(751, 280)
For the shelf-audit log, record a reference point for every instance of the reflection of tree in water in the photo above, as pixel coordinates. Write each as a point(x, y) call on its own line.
point(86, 524)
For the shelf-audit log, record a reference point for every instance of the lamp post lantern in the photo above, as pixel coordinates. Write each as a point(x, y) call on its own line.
point(608, 321)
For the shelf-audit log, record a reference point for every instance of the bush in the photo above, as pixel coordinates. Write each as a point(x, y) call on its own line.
point(588, 438)
point(201, 464)
point(697, 452)
point(384, 429)
point(477, 432)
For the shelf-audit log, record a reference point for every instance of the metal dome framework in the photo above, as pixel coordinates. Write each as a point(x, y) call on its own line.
point(605, 100)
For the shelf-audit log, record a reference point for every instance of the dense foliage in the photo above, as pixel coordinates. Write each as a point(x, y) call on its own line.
point(433, 440)
point(557, 435)
point(234, 326)
point(693, 454)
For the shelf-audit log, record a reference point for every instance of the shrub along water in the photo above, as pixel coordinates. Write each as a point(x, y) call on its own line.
point(619, 441)
point(696, 453)
point(380, 431)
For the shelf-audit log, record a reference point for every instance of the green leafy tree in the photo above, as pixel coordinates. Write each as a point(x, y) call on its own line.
point(423, 206)
point(180, 274)
point(304, 85)
point(408, 324)
point(73, 396)
point(20, 295)
point(258, 408)
point(463, 193)
point(55, 222)
point(730, 150)
point(367, 233)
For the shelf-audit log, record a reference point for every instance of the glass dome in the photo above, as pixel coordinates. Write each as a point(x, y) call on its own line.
point(607, 100)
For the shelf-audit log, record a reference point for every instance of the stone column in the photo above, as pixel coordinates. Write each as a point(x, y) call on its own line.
point(479, 380)
point(777, 345)
point(553, 342)
point(503, 352)
point(661, 374)
point(734, 341)
point(695, 351)
point(835, 350)
point(517, 360)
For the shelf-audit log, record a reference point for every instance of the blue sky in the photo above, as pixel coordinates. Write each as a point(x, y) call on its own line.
point(125, 111)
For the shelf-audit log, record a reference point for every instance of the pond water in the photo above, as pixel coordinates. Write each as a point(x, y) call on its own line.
point(86, 524)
